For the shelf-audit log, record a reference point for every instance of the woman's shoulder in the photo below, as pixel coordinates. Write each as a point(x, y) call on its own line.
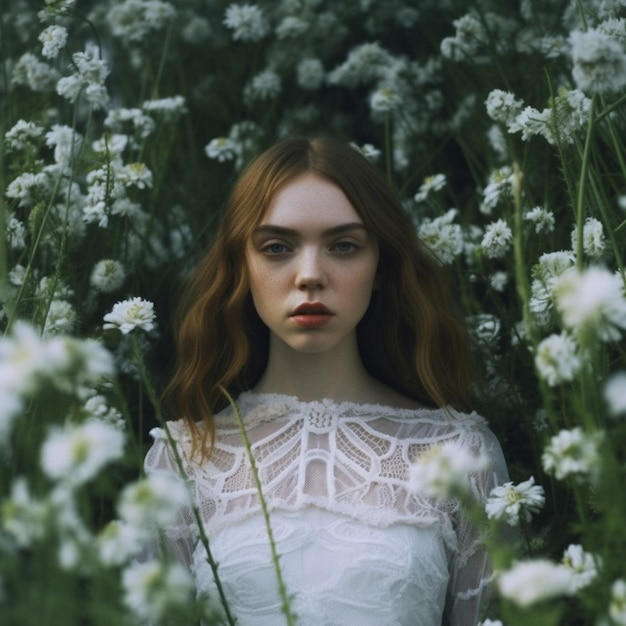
point(174, 439)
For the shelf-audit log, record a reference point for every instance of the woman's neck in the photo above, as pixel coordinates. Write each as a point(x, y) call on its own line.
point(338, 374)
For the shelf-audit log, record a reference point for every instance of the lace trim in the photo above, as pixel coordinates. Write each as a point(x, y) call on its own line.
point(259, 408)
point(347, 458)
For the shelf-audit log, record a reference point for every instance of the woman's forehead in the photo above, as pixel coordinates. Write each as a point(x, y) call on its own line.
point(310, 200)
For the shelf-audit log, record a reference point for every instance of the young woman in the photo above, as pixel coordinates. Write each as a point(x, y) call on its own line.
point(321, 313)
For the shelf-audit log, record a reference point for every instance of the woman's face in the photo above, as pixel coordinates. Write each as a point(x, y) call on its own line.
point(312, 266)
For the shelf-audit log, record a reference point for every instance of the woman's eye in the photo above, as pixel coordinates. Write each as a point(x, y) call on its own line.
point(345, 246)
point(275, 248)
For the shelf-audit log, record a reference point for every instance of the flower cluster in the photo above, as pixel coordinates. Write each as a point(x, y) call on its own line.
point(124, 124)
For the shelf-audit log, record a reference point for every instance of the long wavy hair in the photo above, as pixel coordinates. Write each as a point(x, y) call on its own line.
point(411, 337)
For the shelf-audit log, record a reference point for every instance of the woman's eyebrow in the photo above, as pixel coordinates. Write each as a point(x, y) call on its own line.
point(273, 229)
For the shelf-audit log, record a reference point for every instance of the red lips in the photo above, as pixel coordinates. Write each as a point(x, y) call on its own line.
point(311, 308)
point(311, 315)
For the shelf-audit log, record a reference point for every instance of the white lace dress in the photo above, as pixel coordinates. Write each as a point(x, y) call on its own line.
point(356, 545)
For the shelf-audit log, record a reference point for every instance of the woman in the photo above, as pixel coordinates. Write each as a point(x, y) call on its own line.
point(318, 309)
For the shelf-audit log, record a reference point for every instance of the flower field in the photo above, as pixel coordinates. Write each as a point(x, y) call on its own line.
point(123, 124)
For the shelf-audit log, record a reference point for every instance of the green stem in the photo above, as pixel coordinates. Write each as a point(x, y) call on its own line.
point(68, 198)
point(521, 279)
point(282, 589)
point(29, 266)
point(555, 127)
point(522, 283)
point(166, 45)
point(204, 540)
point(580, 199)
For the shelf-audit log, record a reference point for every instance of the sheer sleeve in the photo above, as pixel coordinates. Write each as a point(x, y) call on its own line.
point(471, 571)
point(179, 538)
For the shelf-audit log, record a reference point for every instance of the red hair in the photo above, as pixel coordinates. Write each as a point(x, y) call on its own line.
point(410, 338)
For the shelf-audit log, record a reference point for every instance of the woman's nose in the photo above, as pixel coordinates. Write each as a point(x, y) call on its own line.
point(311, 273)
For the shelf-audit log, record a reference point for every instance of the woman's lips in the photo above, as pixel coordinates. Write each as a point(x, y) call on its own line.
point(311, 320)
point(311, 315)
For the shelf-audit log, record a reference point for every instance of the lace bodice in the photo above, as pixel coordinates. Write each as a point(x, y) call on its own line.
point(357, 545)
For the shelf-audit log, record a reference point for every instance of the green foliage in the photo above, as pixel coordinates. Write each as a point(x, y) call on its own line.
point(128, 153)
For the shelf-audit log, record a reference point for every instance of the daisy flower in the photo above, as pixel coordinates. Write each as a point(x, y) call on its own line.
point(511, 503)
point(130, 314)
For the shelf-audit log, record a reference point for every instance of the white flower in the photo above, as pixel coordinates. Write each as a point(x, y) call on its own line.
point(511, 503)
point(559, 123)
point(61, 318)
point(97, 406)
point(26, 360)
point(76, 453)
point(442, 237)
point(53, 39)
point(491, 622)
point(247, 22)
point(365, 63)
point(617, 608)
point(23, 356)
point(27, 187)
point(583, 567)
point(497, 141)
point(615, 394)
point(89, 77)
point(222, 149)
point(310, 73)
point(529, 582)
point(118, 542)
point(592, 302)
point(135, 175)
point(469, 36)
point(431, 184)
point(444, 469)
point(15, 231)
point(17, 275)
point(168, 108)
point(65, 141)
point(130, 314)
point(498, 186)
point(107, 275)
point(384, 100)
point(144, 125)
point(370, 152)
point(34, 74)
point(503, 106)
point(573, 453)
point(543, 219)
point(485, 329)
point(23, 517)
point(593, 238)
point(545, 272)
point(497, 239)
point(153, 501)
point(530, 122)
point(263, 86)
point(132, 20)
point(292, 26)
point(599, 61)
point(498, 281)
point(75, 540)
point(557, 359)
point(56, 8)
point(154, 587)
point(10, 406)
point(22, 135)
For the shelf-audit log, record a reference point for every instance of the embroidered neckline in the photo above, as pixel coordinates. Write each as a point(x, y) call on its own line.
point(340, 407)
point(257, 408)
